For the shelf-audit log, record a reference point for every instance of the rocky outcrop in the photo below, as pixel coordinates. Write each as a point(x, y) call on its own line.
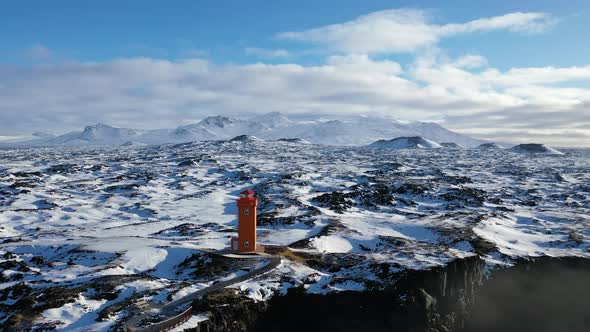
point(228, 311)
point(22, 314)
point(545, 294)
point(542, 294)
point(427, 300)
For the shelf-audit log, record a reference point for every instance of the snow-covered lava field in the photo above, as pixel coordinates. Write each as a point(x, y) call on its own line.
point(86, 232)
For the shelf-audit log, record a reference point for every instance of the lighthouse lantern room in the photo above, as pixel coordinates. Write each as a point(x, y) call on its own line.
point(246, 240)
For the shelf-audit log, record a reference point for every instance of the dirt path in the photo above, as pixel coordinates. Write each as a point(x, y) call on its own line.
point(170, 309)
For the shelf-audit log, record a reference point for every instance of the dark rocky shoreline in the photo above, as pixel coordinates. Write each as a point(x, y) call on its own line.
point(544, 294)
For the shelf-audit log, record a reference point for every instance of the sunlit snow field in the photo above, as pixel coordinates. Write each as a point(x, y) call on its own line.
point(97, 212)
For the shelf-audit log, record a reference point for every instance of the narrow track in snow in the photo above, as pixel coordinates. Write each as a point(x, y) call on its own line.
point(170, 310)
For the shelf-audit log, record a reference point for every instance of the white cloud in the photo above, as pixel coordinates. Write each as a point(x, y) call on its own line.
point(537, 75)
point(409, 30)
point(516, 87)
point(38, 52)
point(384, 31)
point(470, 61)
point(149, 93)
point(362, 63)
point(266, 53)
point(517, 22)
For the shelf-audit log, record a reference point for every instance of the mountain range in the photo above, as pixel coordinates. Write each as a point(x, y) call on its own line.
point(271, 126)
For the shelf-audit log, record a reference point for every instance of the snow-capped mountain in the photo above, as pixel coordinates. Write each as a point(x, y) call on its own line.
point(271, 126)
point(415, 142)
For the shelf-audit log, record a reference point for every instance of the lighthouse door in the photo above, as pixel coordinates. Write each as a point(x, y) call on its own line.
point(235, 245)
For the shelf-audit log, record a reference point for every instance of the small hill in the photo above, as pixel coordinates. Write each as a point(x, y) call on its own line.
point(451, 145)
point(534, 148)
point(489, 146)
point(246, 139)
point(415, 142)
point(294, 140)
point(132, 143)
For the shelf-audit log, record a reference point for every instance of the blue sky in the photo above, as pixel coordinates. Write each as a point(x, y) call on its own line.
point(487, 67)
point(102, 30)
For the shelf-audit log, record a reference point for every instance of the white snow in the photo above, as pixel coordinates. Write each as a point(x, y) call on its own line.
point(138, 256)
point(78, 313)
point(332, 244)
point(121, 211)
point(518, 240)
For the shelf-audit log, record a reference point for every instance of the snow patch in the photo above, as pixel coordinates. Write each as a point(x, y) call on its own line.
point(332, 244)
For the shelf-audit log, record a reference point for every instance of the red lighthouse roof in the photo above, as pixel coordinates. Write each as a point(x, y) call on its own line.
point(247, 194)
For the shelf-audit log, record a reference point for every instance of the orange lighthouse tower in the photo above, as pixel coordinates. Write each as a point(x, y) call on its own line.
point(246, 240)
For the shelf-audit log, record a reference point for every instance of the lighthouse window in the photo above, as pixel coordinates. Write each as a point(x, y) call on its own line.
point(246, 212)
point(246, 244)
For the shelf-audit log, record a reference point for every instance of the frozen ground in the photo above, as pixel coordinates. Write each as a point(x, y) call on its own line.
point(87, 231)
